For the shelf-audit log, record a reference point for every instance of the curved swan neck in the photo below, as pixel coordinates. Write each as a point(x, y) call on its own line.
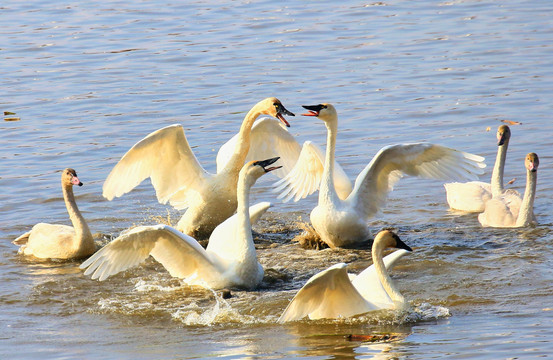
point(242, 146)
point(244, 228)
point(79, 223)
point(384, 277)
point(327, 191)
point(526, 211)
point(497, 173)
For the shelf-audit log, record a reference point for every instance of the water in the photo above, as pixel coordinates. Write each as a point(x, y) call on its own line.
point(89, 80)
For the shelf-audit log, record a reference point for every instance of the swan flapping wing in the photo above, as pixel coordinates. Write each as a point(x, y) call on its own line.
point(268, 139)
point(328, 294)
point(305, 177)
point(369, 285)
point(167, 159)
point(420, 159)
point(180, 254)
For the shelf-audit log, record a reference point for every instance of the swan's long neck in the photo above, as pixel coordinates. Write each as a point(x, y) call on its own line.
point(327, 192)
point(246, 247)
point(79, 223)
point(385, 279)
point(242, 146)
point(497, 173)
point(526, 212)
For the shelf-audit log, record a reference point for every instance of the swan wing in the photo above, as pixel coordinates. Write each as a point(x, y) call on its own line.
point(180, 254)
point(221, 242)
point(420, 159)
point(328, 294)
point(166, 158)
point(368, 284)
point(304, 179)
point(268, 139)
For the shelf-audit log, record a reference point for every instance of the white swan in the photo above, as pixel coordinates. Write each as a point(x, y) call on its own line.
point(509, 210)
point(472, 196)
point(53, 241)
point(167, 159)
point(333, 293)
point(229, 261)
point(343, 222)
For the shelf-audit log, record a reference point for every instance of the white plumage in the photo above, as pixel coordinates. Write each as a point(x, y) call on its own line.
point(333, 293)
point(341, 219)
point(167, 159)
point(228, 261)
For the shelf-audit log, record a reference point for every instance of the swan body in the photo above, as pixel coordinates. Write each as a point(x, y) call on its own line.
point(343, 221)
point(509, 210)
point(228, 261)
point(53, 241)
point(472, 196)
point(333, 293)
point(167, 159)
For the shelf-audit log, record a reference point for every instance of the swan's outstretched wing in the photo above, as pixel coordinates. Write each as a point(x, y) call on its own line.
point(268, 139)
point(328, 294)
point(220, 242)
point(180, 254)
point(368, 284)
point(421, 159)
point(167, 159)
point(305, 177)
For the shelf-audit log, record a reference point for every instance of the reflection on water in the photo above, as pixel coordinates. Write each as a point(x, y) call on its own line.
point(87, 81)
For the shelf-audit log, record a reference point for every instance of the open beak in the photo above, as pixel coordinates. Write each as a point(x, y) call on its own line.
point(265, 163)
point(282, 110)
point(313, 110)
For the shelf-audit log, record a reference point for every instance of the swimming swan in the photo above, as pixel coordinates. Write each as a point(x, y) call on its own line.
point(167, 159)
point(343, 222)
point(472, 196)
point(509, 210)
point(229, 261)
point(53, 241)
point(333, 293)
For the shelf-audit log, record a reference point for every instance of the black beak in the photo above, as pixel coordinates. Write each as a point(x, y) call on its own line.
point(281, 110)
point(80, 183)
point(401, 245)
point(265, 163)
point(501, 140)
point(313, 109)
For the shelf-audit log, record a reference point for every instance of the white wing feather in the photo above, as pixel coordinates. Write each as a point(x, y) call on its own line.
point(305, 177)
point(328, 294)
point(268, 139)
point(180, 254)
point(166, 158)
point(421, 159)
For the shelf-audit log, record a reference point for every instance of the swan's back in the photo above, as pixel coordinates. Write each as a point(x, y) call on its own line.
point(470, 197)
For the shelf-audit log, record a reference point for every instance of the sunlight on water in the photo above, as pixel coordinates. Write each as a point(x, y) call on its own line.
point(85, 81)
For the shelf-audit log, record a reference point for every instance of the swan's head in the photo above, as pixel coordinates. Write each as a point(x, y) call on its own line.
point(389, 239)
point(531, 162)
point(325, 112)
point(503, 135)
point(69, 178)
point(273, 107)
point(255, 169)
